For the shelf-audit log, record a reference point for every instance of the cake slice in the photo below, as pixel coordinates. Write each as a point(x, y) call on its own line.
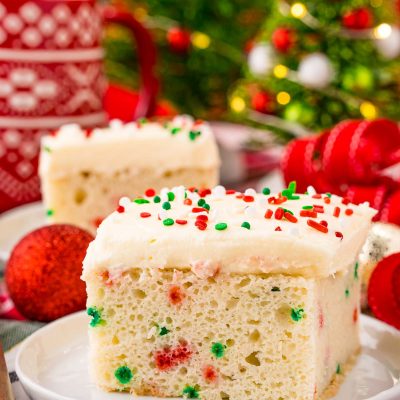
point(84, 173)
point(223, 295)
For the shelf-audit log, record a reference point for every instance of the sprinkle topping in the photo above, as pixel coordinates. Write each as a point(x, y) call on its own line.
point(221, 226)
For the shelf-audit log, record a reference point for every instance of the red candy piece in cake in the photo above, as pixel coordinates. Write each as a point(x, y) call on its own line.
point(170, 357)
point(383, 290)
point(176, 295)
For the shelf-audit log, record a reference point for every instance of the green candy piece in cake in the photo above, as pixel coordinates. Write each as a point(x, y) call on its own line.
point(218, 349)
point(95, 313)
point(123, 374)
point(190, 393)
point(297, 314)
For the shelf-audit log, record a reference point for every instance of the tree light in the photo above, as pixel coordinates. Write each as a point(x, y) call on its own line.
point(368, 110)
point(280, 71)
point(238, 104)
point(298, 10)
point(283, 98)
point(383, 31)
point(200, 40)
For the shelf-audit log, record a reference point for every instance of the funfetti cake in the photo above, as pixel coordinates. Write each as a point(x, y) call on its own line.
point(85, 173)
point(223, 295)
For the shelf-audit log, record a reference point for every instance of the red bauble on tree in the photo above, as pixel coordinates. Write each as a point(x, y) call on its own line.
point(44, 270)
point(360, 18)
point(263, 102)
point(179, 39)
point(283, 39)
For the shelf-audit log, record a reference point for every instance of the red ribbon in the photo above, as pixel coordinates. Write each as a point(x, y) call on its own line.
point(352, 160)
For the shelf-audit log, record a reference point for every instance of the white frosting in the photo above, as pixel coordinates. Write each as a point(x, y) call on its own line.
point(126, 239)
point(149, 145)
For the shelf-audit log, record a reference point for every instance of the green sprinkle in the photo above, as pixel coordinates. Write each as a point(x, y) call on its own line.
point(347, 292)
point(143, 121)
point(123, 374)
point(190, 393)
point(297, 314)
point(307, 207)
point(46, 148)
point(164, 331)
point(275, 289)
point(157, 199)
point(175, 130)
point(201, 202)
point(266, 191)
point(293, 197)
point(50, 212)
point(338, 369)
point(166, 205)
point(245, 225)
point(206, 206)
point(193, 135)
point(95, 313)
point(292, 186)
point(141, 201)
point(356, 271)
point(286, 210)
point(168, 222)
point(221, 226)
point(287, 193)
point(218, 349)
point(171, 196)
point(328, 195)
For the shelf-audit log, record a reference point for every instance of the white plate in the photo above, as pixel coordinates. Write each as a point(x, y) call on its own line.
point(16, 223)
point(52, 364)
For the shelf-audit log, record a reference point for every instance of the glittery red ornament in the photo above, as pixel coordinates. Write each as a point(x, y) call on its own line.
point(263, 102)
point(360, 18)
point(383, 290)
point(179, 39)
point(44, 269)
point(283, 39)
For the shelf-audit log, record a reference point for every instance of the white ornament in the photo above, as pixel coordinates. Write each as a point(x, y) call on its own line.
point(261, 59)
point(315, 71)
point(389, 47)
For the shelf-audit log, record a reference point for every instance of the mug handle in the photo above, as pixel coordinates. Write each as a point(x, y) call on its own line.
point(147, 56)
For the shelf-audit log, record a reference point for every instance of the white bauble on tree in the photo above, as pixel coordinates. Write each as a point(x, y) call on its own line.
point(315, 71)
point(261, 59)
point(389, 47)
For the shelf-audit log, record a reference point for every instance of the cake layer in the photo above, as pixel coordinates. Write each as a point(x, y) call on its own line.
point(169, 333)
point(181, 143)
point(308, 235)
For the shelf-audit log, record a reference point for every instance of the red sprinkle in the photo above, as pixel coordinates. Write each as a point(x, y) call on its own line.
point(230, 191)
point(170, 357)
point(192, 189)
point(278, 229)
point(181, 221)
point(345, 201)
point(317, 208)
point(120, 209)
point(201, 225)
point(210, 374)
point(317, 226)
point(187, 202)
point(175, 295)
point(327, 200)
point(279, 213)
point(150, 192)
point(145, 215)
point(202, 217)
point(324, 223)
point(248, 199)
point(204, 192)
point(290, 217)
point(339, 235)
point(348, 211)
point(336, 212)
point(355, 315)
point(280, 200)
point(199, 210)
point(268, 214)
point(308, 213)
point(271, 200)
point(317, 196)
point(240, 196)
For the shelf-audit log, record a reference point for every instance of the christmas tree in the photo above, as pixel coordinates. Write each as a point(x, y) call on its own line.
point(316, 63)
point(200, 49)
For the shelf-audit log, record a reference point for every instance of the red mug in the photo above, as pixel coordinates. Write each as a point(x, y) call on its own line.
point(51, 73)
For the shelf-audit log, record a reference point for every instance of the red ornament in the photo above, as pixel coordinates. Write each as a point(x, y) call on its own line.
point(283, 39)
point(179, 39)
point(360, 18)
point(383, 290)
point(44, 269)
point(263, 102)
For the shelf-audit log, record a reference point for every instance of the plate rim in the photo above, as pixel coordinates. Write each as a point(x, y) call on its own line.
point(27, 381)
